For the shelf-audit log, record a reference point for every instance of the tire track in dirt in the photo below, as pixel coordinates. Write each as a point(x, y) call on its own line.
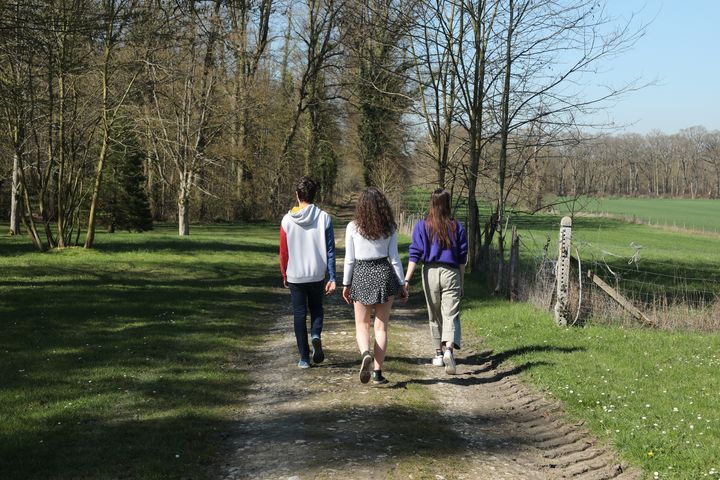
point(482, 423)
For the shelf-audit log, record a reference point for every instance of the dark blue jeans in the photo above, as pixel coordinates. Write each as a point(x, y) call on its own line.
point(304, 296)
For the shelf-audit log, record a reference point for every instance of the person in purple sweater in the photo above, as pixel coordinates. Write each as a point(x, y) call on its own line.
point(440, 243)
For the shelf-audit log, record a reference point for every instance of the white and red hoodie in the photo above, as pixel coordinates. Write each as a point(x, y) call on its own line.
point(307, 245)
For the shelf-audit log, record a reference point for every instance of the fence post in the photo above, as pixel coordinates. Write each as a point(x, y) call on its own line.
point(563, 272)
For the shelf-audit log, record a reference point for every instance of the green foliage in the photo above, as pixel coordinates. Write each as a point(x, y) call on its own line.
point(652, 394)
point(114, 361)
point(124, 200)
point(323, 134)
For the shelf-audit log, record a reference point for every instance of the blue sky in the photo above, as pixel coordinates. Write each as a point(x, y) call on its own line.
point(681, 52)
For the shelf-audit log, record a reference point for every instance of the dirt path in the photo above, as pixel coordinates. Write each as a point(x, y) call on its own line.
point(483, 423)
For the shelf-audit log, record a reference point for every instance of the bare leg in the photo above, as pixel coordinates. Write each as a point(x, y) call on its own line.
point(362, 325)
point(382, 315)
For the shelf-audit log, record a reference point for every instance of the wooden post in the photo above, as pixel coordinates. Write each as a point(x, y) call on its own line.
point(514, 254)
point(622, 301)
point(563, 272)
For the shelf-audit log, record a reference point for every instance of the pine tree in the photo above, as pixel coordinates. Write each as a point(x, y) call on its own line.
point(125, 200)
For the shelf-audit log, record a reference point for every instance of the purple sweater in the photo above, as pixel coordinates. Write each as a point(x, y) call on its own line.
point(422, 249)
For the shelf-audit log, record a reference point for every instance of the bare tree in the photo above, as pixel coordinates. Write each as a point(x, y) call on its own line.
point(115, 15)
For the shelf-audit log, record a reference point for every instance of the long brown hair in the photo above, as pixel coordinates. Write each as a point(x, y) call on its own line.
point(373, 215)
point(439, 222)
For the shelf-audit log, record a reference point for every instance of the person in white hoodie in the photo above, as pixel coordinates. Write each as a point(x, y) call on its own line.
point(307, 251)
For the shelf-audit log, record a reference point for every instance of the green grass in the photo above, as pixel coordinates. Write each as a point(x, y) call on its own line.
point(116, 362)
point(700, 214)
point(655, 395)
point(677, 265)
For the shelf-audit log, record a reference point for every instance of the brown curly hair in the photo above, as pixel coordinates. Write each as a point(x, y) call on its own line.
point(373, 215)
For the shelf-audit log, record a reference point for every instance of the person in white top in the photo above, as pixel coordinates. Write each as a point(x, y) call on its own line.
point(372, 277)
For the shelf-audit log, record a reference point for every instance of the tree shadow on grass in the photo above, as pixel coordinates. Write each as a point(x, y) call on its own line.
point(111, 369)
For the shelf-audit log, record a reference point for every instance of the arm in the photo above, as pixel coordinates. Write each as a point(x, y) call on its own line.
point(395, 259)
point(330, 245)
point(462, 244)
point(410, 271)
point(397, 265)
point(284, 256)
point(349, 263)
point(463, 251)
point(417, 249)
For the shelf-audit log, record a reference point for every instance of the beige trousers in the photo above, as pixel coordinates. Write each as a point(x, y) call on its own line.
point(442, 287)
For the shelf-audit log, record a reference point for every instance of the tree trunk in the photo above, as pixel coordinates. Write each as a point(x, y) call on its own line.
point(183, 212)
point(16, 198)
point(90, 237)
point(473, 214)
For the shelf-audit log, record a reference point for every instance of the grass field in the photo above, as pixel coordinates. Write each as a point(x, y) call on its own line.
point(655, 395)
point(678, 266)
point(701, 214)
point(116, 362)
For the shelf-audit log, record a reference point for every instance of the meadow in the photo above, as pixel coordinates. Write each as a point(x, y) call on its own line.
point(654, 395)
point(117, 362)
point(651, 265)
point(699, 214)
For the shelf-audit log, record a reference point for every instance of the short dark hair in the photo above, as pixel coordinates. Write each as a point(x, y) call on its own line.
point(306, 189)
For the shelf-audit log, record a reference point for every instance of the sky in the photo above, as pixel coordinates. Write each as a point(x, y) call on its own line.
point(680, 53)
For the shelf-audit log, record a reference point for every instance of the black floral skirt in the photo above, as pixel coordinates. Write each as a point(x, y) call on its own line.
point(373, 281)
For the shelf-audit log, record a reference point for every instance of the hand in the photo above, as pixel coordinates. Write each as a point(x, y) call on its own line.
point(405, 293)
point(346, 295)
point(285, 284)
point(330, 288)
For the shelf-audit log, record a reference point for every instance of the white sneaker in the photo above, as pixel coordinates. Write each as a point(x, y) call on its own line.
point(438, 360)
point(449, 361)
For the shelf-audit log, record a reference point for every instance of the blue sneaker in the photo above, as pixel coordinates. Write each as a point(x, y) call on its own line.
point(318, 354)
point(303, 364)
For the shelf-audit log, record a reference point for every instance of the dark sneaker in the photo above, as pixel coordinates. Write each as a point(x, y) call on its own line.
point(318, 354)
point(377, 378)
point(365, 367)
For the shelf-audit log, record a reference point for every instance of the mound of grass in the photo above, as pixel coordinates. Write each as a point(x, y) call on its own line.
point(117, 362)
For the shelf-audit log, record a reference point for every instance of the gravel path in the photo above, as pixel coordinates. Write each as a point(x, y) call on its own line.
point(482, 423)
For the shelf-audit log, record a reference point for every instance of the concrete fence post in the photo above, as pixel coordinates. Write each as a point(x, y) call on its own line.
point(563, 272)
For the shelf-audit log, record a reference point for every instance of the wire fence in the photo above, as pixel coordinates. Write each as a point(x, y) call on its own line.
point(680, 294)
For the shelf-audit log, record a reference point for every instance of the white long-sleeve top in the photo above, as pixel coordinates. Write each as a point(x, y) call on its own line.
point(358, 247)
